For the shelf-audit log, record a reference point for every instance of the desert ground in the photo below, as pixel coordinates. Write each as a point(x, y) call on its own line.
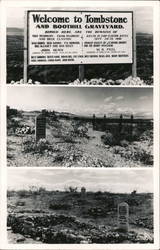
point(40, 216)
point(75, 143)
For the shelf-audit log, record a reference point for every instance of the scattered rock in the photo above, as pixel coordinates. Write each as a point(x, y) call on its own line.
point(20, 239)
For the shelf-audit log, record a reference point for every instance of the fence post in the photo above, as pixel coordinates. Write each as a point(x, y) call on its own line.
point(131, 126)
point(94, 121)
point(104, 122)
point(120, 123)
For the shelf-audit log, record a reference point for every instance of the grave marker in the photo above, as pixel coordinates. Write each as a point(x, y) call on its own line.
point(83, 193)
point(94, 121)
point(123, 216)
point(40, 127)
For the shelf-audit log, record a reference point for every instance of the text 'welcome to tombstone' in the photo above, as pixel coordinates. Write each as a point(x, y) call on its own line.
point(79, 37)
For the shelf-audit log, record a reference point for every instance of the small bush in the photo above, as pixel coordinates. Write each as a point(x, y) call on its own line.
point(29, 145)
point(59, 206)
point(10, 193)
point(23, 193)
point(96, 212)
point(20, 203)
point(42, 145)
point(108, 139)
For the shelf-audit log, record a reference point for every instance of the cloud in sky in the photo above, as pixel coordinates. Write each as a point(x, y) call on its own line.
point(119, 98)
point(114, 180)
point(108, 99)
point(143, 98)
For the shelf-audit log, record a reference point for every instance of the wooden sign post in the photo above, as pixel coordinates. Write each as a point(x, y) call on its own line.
point(25, 50)
point(81, 72)
point(134, 64)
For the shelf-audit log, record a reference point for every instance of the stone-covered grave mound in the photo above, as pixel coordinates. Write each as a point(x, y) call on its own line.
point(65, 229)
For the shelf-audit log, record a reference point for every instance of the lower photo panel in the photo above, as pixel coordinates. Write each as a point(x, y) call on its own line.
point(80, 206)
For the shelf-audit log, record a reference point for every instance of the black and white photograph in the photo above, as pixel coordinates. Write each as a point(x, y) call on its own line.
point(80, 207)
point(97, 46)
point(80, 127)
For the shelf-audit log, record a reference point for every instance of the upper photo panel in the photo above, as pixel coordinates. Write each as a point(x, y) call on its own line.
point(80, 47)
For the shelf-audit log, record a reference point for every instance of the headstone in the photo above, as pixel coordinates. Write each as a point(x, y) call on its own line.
point(40, 130)
point(104, 122)
point(83, 193)
point(123, 216)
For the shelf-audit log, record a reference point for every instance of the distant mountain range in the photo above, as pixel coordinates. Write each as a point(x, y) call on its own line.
point(12, 31)
point(81, 116)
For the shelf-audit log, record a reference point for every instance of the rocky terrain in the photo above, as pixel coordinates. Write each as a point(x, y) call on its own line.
point(75, 143)
point(42, 216)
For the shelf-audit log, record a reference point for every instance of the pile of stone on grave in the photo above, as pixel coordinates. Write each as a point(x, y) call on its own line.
point(25, 129)
point(68, 229)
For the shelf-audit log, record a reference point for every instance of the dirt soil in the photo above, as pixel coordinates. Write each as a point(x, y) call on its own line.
point(74, 145)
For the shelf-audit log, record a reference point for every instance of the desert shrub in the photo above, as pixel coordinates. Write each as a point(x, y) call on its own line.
point(145, 222)
point(98, 195)
point(42, 190)
point(108, 139)
point(124, 143)
point(34, 190)
point(70, 189)
point(29, 145)
point(80, 129)
point(68, 138)
point(142, 152)
point(137, 151)
point(134, 192)
point(20, 203)
point(96, 212)
point(133, 201)
point(147, 136)
point(23, 193)
point(12, 125)
point(11, 193)
point(13, 112)
point(59, 206)
point(42, 145)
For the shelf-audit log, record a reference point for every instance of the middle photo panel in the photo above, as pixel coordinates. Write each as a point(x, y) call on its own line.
point(79, 127)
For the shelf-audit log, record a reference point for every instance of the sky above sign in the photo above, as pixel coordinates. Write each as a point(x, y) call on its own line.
point(143, 17)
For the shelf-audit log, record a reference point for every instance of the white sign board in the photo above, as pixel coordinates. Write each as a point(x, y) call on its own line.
point(70, 37)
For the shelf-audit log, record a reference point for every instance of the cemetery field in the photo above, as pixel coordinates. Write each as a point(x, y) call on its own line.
point(72, 216)
point(76, 142)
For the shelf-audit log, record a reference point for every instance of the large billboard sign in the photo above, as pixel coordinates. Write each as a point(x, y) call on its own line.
point(74, 37)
